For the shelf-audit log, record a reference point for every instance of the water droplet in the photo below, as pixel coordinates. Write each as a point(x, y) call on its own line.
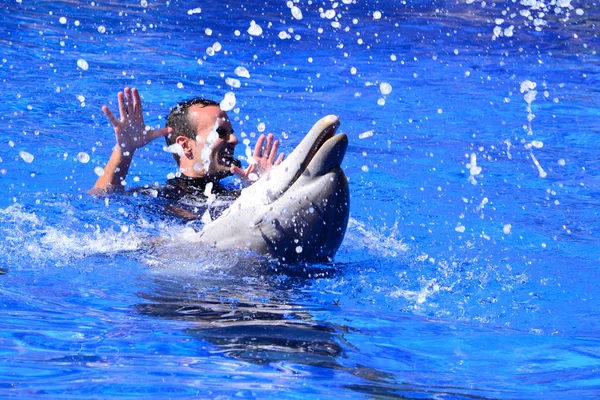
point(233, 82)
point(102, 29)
point(385, 88)
point(228, 102)
point(298, 249)
point(81, 63)
point(83, 157)
point(62, 20)
point(194, 11)
point(366, 134)
point(242, 72)
point(27, 157)
point(377, 15)
point(255, 29)
point(260, 127)
point(296, 13)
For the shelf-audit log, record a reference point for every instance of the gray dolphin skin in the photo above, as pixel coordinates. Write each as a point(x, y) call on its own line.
point(299, 210)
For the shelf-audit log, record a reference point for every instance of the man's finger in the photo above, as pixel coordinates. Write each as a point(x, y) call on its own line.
point(122, 109)
point(269, 145)
point(273, 152)
point(129, 105)
point(258, 147)
point(279, 159)
point(237, 171)
point(137, 102)
point(110, 116)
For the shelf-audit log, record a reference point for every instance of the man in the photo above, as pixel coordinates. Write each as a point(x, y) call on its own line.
point(200, 136)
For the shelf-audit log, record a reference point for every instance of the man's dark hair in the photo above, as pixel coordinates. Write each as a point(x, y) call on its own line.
point(179, 120)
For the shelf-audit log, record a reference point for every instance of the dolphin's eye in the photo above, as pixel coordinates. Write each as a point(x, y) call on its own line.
point(223, 133)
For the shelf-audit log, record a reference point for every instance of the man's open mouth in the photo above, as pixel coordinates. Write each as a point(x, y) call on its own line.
point(229, 160)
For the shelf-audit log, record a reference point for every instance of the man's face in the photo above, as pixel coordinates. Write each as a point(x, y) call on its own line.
point(215, 142)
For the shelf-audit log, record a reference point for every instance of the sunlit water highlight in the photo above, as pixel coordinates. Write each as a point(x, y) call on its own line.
point(469, 267)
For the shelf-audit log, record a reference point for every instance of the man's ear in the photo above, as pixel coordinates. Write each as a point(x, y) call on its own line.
point(184, 142)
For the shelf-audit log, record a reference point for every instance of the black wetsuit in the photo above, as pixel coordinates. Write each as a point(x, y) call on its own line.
point(187, 198)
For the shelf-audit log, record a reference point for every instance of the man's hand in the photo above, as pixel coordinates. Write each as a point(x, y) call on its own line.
point(130, 134)
point(263, 160)
point(130, 131)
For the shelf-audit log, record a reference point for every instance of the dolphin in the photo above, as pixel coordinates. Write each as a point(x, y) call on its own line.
point(299, 210)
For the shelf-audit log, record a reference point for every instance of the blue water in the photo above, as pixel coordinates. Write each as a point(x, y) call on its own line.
point(470, 265)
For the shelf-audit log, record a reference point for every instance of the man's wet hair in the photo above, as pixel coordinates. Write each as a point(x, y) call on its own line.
point(179, 120)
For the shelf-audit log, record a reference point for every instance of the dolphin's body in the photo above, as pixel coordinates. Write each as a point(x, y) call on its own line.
point(296, 212)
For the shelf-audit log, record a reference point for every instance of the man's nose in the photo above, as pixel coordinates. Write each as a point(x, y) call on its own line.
point(232, 139)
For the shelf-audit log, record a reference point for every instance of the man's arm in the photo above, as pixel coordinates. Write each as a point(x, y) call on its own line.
point(131, 134)
point(263, 160)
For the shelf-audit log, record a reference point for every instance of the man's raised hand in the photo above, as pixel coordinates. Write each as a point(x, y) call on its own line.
point(131, 132)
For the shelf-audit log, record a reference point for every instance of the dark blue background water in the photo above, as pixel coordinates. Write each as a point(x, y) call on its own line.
point(470, 266)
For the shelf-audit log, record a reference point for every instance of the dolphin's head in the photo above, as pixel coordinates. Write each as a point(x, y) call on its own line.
point(299, 210)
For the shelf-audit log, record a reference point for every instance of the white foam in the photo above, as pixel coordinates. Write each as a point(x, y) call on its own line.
point(381, 241)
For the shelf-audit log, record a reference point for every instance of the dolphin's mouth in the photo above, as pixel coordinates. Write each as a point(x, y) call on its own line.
point(325, 135)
